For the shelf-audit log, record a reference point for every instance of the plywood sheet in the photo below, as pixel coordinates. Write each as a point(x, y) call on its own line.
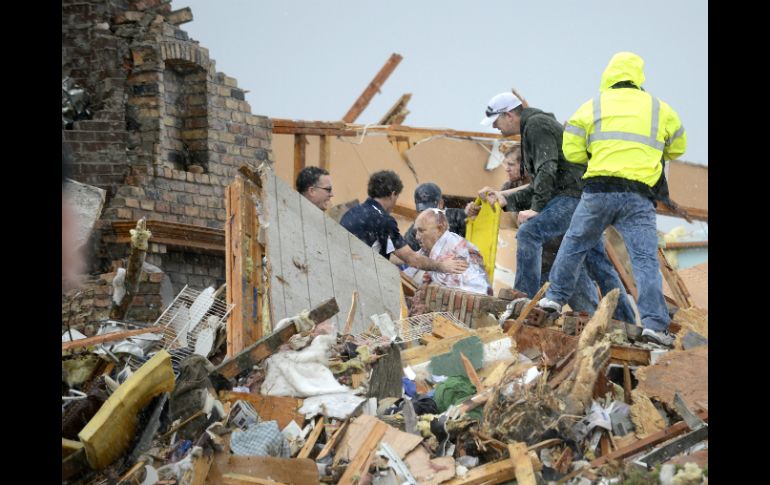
point(313, 258)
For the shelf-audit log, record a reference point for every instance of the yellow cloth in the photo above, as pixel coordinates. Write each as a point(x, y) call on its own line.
point(482, 232)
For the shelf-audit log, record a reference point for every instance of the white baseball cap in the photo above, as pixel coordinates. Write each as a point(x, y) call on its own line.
point(502, 103)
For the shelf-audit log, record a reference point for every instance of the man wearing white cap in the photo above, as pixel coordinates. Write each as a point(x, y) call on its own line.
point(546, 206)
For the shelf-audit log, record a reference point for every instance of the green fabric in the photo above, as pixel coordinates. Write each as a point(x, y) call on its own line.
point(455, 390)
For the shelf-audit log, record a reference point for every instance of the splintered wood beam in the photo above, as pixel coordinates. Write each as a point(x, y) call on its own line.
point(373, 88)
point(627, 279)
point(678, 288)
point(397, 113)
point(139, 246)
point(170, 234)
point(265, 347)
point(282, 126)
point(311, 440)
point(324, 152)
point(525, 474)
point(648, 442)
point(528, 308)
point(687, 245)
point(300, 143)
point(243, 265)
point(693, 212)
point(360, 462)
point(109, 337)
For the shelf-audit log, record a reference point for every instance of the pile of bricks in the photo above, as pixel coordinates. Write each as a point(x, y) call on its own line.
point(470, 308)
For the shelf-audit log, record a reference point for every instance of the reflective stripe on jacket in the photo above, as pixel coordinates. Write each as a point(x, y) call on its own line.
point(625, 131)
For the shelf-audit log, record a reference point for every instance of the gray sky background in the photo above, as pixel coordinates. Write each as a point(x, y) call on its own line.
point(311, 59)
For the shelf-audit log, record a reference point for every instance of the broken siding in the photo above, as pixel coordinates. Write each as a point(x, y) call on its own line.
point(313, 258)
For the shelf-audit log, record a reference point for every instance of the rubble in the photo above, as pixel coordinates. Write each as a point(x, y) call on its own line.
point(316, 361)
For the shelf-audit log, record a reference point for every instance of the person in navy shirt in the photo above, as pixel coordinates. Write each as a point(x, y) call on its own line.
point(372, 223)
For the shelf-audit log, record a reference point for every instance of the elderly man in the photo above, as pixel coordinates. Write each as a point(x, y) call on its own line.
point(440, 244)
point(428, 196)
point(372, 223)
point(316, 185)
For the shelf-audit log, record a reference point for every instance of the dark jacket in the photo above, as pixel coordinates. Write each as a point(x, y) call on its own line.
point(543, 160)
point(456, 220)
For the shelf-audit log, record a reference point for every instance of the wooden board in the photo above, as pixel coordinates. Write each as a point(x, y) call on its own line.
point(312, 258)
point(299, 471)
point(319, 270)
point(273, 249)
point(281, 409)
point(294, 273)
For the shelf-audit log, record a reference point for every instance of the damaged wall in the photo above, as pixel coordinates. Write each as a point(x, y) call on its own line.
point(168, 131)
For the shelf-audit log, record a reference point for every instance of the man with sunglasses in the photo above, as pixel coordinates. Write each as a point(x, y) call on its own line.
point(316, 185)
point(546, 206)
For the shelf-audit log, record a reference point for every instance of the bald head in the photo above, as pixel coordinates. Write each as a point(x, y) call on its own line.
point(429, 226)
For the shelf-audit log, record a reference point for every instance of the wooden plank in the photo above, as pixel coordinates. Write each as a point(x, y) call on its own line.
point(69, 447)
point(200, 470)
point(694, 212)
point(678, 288)
point(283, 126)
point(239, 479)
point(293, 259)
point(273, 249)
point(325, 152)
point(171, 234)
point(243, 276)
point(629, 355)
point(332, 442)
point(300, 145)
point(686, 244)
point(370, 298)
point(298, 471)
point(356, 468)
point(471, 372)
point(343, 275)
point(319, 270)
point(628, 280)
point(311, 440)
point(281, 409)
point(388, 277)
point(444, 328)
point(398, 112)
point(109, 337)
point(490, 474)
point(373, 88)
point(351, 314)
point(264, 347)
point(648, 442)
point(525, 475)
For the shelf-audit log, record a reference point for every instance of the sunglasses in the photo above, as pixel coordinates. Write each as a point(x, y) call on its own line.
point(328, 189)
point(489, 112)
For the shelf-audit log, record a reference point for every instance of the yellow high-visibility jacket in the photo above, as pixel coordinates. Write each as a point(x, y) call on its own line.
point(626, 131)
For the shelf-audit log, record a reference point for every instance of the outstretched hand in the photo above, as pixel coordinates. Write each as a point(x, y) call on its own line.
point(454, 266)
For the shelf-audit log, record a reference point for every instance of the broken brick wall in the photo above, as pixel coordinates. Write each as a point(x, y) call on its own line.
point(90, 304)
point(168, 131)
point(470, 308)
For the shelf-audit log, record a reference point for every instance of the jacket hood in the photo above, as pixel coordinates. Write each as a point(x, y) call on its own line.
point(624, 66)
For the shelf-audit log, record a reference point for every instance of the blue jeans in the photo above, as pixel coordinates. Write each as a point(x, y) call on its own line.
point(633, 215)
point(553, 222)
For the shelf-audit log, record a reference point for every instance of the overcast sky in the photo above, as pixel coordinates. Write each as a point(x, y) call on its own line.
point(311, 59)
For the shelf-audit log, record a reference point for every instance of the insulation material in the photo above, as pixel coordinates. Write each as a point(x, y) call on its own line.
point(302, 373)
